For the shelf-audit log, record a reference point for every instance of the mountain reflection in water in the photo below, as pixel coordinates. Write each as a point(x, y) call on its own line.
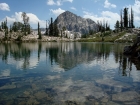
point(68, 72)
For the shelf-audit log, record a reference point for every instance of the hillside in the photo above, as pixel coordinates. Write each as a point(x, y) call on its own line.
point(75, 23)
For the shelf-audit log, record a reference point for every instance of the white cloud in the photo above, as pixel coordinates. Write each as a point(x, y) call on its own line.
point(73, 8)
point(50, 2)
point(105, 15)
point(4, 7)
point(57, 11)
point(58, 2)
point(136, 9)
point(107, 4)
point(68, 0)
point(33, 19)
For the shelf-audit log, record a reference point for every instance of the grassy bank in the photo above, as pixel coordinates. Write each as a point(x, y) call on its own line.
point(107, 38)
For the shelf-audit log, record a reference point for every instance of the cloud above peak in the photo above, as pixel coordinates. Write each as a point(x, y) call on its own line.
point(57, 2)
point(107, 4)
point(4, 7)
point(68, 0)
point(57, 11)
point(51, 2)
point(73, 8)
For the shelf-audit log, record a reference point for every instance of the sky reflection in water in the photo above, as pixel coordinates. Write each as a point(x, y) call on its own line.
point(64, 73)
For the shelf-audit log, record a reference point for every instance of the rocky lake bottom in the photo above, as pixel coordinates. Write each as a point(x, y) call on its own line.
point(68, 73)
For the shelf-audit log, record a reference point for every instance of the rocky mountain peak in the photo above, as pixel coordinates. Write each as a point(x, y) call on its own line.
point(75, 23)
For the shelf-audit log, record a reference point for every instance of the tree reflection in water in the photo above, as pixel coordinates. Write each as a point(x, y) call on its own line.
point(69, 54)
point(125, 65)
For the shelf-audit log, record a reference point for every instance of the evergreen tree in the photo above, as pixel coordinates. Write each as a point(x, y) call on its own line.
point(125, 17)
point(6, 33)
point(29, 29)
point(56, 31)
point(99, 26)
point(10, 31)
point(103, 25)
point(2, 25)
point(132, 18)
point(22, 28)
point(91, 32)
point(38, 28)
point(25, 29)
point(121, 21)
point(6, 29)
point(63, 29)
point(117, 25)
point(61, 33)
point(107, 27)
point(15, 27)
point(0, 28)
point(39, 33)
point(25, 20)
point(6, 21)
point(19, 25)
point(51, 33)
point(129, 22)
point(10, 28)
point(46, 33)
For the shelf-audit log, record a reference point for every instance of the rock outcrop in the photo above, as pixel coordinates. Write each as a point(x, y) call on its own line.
point(75, 23)
point(133, 50)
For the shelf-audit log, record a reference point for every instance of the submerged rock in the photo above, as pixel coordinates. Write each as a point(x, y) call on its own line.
point(72, 103)
point(110, 84)
point(125, 96)
point(105, 100)
point(32, 101)
point(8, 86)
point(112, 103)
point(42, 95)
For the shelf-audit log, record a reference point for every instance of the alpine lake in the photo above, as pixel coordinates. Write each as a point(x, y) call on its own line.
point(68, 73)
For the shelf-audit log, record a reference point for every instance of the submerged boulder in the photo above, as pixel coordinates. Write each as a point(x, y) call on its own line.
point(125, 96)
point(127, 50)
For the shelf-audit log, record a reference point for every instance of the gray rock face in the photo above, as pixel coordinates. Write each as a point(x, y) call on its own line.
point(75, 23)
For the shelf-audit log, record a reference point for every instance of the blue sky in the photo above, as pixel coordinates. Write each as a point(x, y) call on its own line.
point(42, 10)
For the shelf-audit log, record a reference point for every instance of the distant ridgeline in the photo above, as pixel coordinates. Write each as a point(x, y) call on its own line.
point(75, 24)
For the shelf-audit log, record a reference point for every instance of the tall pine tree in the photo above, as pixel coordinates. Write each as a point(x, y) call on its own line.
point(132, 18)
point(125, 17)
point(56, 31)
point(2, 25)
point(39, 33)
point(129, 22)
point(46, 33)
point(29, 29)
point(51, 33)
point(117, 25)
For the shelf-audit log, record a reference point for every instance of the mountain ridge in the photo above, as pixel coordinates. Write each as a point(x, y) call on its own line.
point(75, 23)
